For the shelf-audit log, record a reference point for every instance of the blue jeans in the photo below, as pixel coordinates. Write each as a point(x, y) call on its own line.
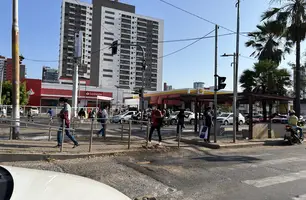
point(102, 130)
point(59, 136)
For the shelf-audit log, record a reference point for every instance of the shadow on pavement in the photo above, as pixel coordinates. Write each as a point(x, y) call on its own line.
point(21, 146)
point(246, 159)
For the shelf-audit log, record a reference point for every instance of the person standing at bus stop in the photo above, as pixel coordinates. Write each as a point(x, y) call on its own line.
point(65, 116)
point(208, 122)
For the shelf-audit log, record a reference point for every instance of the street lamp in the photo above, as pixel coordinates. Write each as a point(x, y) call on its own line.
point(235, 117)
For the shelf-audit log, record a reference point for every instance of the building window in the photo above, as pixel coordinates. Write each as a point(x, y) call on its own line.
point(109, 12)
point(107, 70)
point(107, 75)
point(107, 17)
point(108, 60)
point(108, 33)
point(111, 23)
point(107, 38)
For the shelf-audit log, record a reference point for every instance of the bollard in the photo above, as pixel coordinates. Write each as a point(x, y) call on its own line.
point(91, 135)
point(179, 138)
point(11, 132)
point(49, 139)
point(122, 131)
point(148, 130)
point(63, 130)
point(130, 133)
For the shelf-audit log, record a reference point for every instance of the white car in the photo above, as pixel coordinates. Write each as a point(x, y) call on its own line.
point(227, 118)
point(123, 117)
point(34, 111)
point(29, 184)
point(190, 117)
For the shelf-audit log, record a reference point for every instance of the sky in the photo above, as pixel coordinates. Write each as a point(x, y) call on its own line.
point(39, 23)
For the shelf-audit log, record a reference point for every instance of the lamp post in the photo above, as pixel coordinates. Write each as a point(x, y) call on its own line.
point(235, 116)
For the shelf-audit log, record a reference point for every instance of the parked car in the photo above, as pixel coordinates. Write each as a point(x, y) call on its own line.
point(227, 118)
point(280, 119)
point(255, 119)
point(189, 120)
point(123, 117)
point(34, 111)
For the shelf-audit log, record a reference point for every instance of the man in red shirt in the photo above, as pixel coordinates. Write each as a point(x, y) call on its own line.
point(156, 120)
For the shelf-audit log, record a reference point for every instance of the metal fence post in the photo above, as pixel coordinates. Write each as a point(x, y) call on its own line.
point(130, 133)
point(148, 130)
point(63, 135)
point(49, 139)
point(11, 135)
point(179, 137)
point(91, 135)
point(122, 131)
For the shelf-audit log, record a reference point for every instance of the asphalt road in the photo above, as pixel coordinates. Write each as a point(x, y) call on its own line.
point(197, 173)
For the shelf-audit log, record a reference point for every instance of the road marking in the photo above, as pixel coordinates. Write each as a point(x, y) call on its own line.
point(264, 182)
point(300, 197)
point(259, 155)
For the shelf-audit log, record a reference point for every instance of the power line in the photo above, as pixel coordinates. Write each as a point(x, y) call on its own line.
point(198, 16)
point(247, 57)
point(164, 41)
point(185, 47)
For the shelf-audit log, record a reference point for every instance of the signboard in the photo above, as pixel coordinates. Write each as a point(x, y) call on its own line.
point(94, 93)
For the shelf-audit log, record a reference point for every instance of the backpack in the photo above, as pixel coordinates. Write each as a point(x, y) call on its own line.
point(99, 116)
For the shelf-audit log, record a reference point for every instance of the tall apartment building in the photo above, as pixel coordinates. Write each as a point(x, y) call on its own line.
point(112, 21)
point(49, 75)
point(8, 70)
point(2, 62)
point(76, 16)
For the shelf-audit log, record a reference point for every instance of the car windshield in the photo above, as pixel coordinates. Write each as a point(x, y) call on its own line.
point(224, 115)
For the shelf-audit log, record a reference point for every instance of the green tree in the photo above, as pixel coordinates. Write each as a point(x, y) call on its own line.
point(7, 91)
point(267, 43)
point(266, 78)
point(292, 16)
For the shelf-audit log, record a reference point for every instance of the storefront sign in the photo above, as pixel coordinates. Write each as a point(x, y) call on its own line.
point(94, 93)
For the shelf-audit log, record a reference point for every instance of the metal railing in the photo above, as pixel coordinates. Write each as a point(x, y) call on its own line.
point(91, 126)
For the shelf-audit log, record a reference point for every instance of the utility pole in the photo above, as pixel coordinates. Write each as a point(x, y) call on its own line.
point(1, 84)
point(16, 76)
point(237, 62)
point(78, 46)
point(216, 82)
point(234, 93)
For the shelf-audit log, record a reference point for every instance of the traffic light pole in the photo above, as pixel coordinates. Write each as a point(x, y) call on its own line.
point(216, 82)
point(16, 76)
point(234, 98)
point(115, 45)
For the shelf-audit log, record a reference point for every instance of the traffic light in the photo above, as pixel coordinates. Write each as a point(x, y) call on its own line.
point(21, 59)
point(221, 83)
point(140, 92)
point(114, 47)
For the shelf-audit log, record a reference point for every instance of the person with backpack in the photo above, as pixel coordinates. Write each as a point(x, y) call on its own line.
point(102, 117)
point(65, 116)
point(156, 117)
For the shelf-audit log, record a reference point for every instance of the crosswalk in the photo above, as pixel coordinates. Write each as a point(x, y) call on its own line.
point(285, 175)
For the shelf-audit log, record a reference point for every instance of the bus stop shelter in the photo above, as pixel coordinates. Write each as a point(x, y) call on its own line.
point(242, 98)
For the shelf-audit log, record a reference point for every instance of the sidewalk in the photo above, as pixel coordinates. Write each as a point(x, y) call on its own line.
point(228, 142)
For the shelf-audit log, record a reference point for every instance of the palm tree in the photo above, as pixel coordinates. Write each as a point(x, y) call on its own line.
point(266, 78)
point(292, 16)
point(267, 43)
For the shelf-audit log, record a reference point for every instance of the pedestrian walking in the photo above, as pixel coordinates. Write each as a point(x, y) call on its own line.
point(65, 115)
point(81, 115)
point(51, 115)
point(208, 122)
point(180, 121)
point(102, 118)
point(156, 117)
point(30, 115)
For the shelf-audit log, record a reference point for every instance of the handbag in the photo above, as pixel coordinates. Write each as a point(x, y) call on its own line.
point(203, 132)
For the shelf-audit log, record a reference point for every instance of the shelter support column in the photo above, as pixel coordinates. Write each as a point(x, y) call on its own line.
point(250, 117)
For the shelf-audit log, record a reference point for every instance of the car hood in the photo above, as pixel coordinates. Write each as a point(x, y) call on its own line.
point(38, 184)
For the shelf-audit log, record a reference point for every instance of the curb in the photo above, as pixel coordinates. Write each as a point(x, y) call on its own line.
point(14, 157)
point(234, 146)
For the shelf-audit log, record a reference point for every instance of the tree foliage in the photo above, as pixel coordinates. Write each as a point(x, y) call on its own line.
point(7, 93)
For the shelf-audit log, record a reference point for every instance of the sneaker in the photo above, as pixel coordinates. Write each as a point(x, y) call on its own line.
point(57, 146)
point(76, 145)
point(159, 143)
point(149, 142)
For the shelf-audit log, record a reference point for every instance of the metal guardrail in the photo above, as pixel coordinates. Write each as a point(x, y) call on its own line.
point(51, 128)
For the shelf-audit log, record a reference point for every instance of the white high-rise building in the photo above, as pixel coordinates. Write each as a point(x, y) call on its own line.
point(76, 16)
point(112, 21)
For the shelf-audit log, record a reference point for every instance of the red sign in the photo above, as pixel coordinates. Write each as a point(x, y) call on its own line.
point(94, 93)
